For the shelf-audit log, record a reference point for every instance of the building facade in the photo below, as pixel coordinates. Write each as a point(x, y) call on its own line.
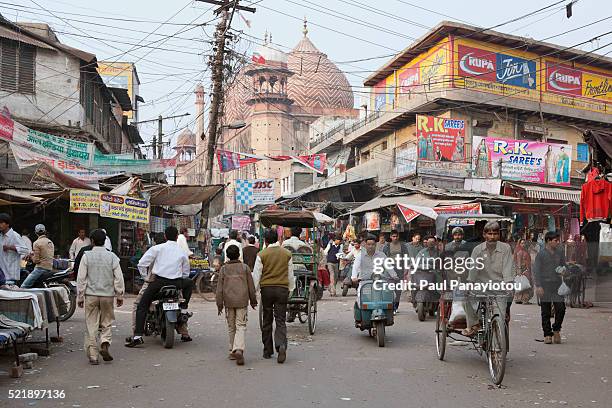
point(506, 92)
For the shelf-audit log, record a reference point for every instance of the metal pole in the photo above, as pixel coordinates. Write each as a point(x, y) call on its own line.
point(160, 134)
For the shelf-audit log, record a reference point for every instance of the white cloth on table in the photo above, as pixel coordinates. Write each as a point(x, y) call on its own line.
point(38, 318)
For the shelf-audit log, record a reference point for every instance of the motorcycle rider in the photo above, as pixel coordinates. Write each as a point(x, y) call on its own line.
point(363, 266)
point(426, 262)
point(396, 248)
point(170, 266)
point(42, 256)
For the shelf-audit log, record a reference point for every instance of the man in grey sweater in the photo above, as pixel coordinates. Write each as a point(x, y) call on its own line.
point(99, 281)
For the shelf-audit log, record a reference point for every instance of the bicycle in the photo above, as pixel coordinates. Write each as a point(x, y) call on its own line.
point(492, 339)
point(205, 284)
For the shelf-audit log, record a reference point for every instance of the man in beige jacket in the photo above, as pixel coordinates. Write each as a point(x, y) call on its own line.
point(235, 290)
point(99, 281)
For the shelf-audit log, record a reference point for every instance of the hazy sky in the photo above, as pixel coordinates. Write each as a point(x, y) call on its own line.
point(346, 30)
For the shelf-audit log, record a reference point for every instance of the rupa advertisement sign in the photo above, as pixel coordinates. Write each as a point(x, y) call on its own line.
point(522, 160)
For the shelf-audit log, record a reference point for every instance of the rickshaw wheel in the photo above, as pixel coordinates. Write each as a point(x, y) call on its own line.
point(380, 333)
point(312, 308)
point(441, 333)
point(496, 350)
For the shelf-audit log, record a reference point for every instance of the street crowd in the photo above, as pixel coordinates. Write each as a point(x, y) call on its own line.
point(250, 272)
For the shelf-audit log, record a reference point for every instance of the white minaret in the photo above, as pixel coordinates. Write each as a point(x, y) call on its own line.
point(199, 120)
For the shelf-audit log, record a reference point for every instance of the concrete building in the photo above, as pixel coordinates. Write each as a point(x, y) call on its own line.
point(54, 88)
point(501, 86)
point(279, 97)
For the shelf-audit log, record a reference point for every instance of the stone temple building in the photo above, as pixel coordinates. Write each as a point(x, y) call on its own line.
point(278, 96)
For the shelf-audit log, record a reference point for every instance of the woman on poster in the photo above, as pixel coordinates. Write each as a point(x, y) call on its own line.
point(458, 154)
point(483, 165)
point(563, 167)
point(549, 166)
point(430, 149)
point(422, 147)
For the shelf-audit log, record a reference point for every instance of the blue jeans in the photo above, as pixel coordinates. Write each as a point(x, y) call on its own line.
point(33, 277)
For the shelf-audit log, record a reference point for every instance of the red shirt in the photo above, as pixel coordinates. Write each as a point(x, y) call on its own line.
point(595, 200)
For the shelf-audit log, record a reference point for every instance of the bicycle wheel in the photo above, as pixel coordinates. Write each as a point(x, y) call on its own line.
point(496, 349)
point(441, 333)
point(209, 292)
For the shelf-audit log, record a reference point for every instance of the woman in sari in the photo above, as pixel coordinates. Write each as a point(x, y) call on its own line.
point(562, 167)
point(522, 266)
point(483, 167)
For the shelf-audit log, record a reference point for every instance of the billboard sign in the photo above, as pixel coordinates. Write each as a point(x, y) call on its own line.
point(522, 160)
point(406, 162)
point(477, 63)
point(563, 80)
point(254, 192)
point(516, 71)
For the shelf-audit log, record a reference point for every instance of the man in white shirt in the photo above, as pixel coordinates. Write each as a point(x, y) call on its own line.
point(107, 242)
point(12, 249)
point(182, 241)
point(233, 240)
point(295, 244)
point(79, 242)
point(26, 241)
point(170, 267)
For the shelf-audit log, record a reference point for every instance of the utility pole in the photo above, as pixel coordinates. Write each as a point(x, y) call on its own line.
point(157, 141)
point(217, 76)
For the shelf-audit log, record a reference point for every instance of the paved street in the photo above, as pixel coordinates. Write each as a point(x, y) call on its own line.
point(338, 367)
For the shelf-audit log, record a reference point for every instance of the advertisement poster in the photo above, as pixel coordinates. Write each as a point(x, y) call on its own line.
point(522, 160)
point(372, 220)
point(406, 162)
point(124, 208)
point(241, 223)
point(380, 96)
point(120, 75)
point(440, 139)
point(84, 201)
point(254, 192)
point(470, 208)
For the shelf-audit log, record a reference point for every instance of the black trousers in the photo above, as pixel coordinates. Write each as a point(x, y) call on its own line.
point(184, 284)
point(274, 303)
point(546, 307)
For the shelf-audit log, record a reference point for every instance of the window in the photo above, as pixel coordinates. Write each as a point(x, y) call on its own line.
point(384, 146)
point(365, 156)
point(582, 152)
point(17, 67)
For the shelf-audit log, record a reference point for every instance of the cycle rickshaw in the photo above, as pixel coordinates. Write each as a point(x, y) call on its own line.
point(492, 339)
point(302, 302)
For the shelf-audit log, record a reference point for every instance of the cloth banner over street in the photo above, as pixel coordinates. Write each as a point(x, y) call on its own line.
point(229, 160)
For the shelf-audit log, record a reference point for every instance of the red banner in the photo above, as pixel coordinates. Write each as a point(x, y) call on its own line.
point(408, 213)
point(440, 139)
point(471, 208)
point(563, 80)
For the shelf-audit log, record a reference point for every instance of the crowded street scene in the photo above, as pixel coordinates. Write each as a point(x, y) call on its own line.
point(277, 203)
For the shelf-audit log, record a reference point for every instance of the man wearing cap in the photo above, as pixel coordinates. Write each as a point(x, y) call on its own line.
point(42, 256)
point(12, 249)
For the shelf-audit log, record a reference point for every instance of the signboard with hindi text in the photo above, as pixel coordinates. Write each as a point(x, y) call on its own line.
point(124, 208)
point(84, 201)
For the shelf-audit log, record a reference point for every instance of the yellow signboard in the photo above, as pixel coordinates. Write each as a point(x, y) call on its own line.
point(124, 208)
point(119, 75)
point(597, 86)
point(84, 201)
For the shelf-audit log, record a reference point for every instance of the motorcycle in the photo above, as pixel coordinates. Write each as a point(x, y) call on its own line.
point(165, 314)
point(373, 310)
point(345, 275)
point(424, 300)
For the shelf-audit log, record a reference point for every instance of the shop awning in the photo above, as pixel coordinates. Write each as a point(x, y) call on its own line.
point(549, 193)
point(411, 200)
point(183, 194)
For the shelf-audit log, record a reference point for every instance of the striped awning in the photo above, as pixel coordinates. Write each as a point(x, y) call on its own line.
point(551, 193)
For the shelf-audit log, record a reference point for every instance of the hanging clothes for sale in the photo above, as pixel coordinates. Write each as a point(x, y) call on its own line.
point(551, 223)
point(605, 243)
point(574, 226)
point(595, 199)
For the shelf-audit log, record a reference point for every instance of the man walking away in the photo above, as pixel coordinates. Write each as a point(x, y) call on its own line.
point(273, 272)
point(79, 242)
point(249, 253)
point(235, 289)
point(42, 256)
point(99, 281)
point(547, 282)
point(333, 263)
point(170, 265)
point(233, 240)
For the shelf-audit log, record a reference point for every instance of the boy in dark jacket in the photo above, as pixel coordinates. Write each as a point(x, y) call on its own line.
point(235, 289)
